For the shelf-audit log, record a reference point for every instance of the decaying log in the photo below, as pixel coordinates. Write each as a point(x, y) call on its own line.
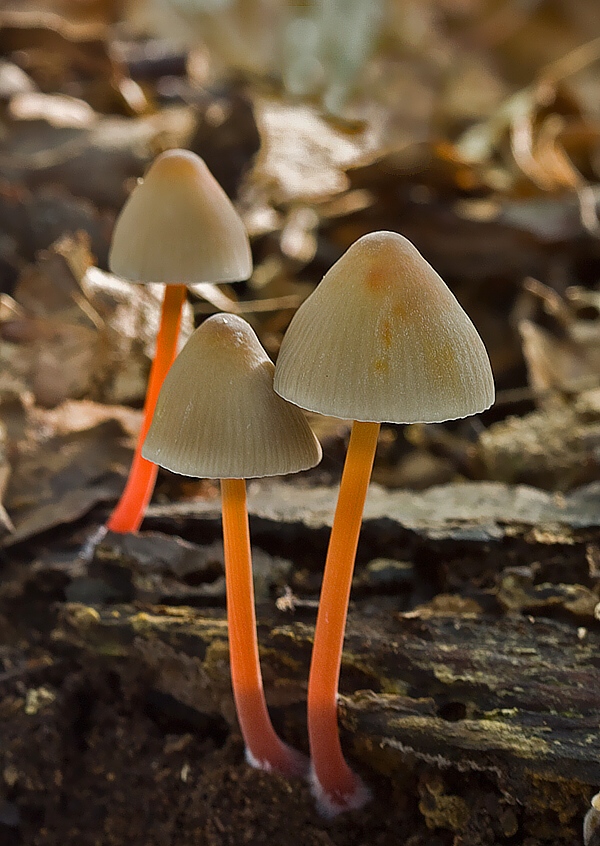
point(511, 699)
point(466, 704)
point(477, 511)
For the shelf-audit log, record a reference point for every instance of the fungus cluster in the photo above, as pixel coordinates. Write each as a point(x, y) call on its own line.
point(381, 339)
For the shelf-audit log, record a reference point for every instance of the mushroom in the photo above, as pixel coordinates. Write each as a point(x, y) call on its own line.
point(591, 822)
point(178, 227)
point(381, 339)
point(217, 416)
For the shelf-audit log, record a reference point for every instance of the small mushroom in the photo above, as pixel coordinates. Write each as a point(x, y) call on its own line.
point(591, 823)
point(217, 416)
point(381, 339)
point(178, 227)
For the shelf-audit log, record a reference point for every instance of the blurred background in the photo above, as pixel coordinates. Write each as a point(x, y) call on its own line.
point(473, 128)
point(470, 126)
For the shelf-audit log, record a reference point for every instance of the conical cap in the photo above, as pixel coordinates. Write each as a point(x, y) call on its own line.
point(218, 416)
point(382, 338)
point(179, 227)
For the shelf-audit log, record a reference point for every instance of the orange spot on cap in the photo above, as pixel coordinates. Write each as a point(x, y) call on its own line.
point(399, 310)
point(386, 333)
point(377, 279)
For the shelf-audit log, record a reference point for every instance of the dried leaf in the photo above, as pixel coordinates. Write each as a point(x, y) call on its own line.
point(557, 448)
point(73, 466)
point(84, 332)
point(303, 157)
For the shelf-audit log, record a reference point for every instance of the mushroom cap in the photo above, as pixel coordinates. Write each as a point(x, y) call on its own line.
point(383, 339)
point(218, 416)
point(178, 227)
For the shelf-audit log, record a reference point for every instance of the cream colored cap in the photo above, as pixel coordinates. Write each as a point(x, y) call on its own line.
point(383, 339)
point(218, 416)
point(179, 227)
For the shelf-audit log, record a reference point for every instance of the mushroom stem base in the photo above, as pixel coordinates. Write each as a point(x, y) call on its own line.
point(353, 796)
point(264, 749)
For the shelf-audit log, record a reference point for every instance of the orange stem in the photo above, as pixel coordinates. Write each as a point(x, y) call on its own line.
point(264, 749)
point(337, 786)
point(129, 513)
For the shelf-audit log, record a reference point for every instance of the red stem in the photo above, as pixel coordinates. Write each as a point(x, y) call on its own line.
point(129, 513)
point(337, 787)
point(263, 746)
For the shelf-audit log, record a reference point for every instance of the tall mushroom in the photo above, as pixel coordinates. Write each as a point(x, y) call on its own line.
point(381, 339)
point(178, 227)
point(218, 417)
